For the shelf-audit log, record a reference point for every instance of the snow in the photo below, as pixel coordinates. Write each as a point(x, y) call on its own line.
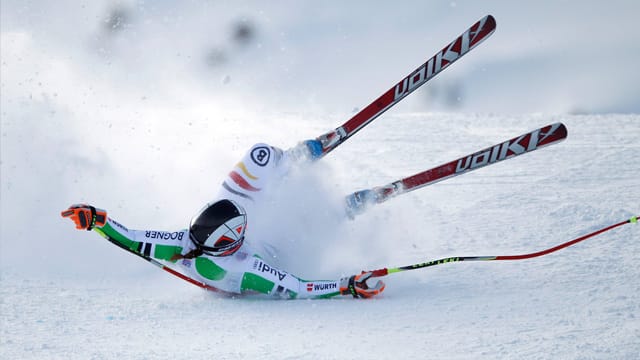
point(81, 124)
point(581, 302)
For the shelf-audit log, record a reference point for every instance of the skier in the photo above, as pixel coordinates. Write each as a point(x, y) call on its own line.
point(214, 250)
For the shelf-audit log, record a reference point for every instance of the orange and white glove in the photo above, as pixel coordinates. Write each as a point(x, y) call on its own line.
point(356, 285)
point(86, 217)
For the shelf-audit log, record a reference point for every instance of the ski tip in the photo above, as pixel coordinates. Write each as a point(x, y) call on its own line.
point(562, 130)
point(552, 134)
point(484, 27)
point(491, 21)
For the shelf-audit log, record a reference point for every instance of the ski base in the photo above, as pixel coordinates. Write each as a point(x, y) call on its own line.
point(453, 51)
point(358, 201)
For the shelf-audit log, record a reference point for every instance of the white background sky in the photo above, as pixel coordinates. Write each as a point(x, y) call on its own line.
point(547, 56)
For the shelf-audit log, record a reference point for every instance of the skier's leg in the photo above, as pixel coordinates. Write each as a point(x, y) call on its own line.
point(306, 150)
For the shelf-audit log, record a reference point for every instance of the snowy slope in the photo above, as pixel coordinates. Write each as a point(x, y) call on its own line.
point(141, 108)
point(581, 302)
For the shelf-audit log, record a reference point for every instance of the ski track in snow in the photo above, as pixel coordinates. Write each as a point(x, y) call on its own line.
point(579, 303)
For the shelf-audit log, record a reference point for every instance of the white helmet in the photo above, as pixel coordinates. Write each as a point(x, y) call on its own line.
point(218, 229)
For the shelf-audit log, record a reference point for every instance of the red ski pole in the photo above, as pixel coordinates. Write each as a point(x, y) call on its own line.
point(387, 271)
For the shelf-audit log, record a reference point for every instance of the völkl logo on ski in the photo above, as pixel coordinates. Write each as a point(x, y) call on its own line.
point(468, 40)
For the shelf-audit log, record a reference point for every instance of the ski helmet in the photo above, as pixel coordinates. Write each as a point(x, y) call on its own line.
point(218, 229)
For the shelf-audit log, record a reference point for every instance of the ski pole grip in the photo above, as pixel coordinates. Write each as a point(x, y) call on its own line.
point(379, 272)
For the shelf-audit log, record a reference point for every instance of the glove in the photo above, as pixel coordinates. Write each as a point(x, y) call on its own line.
point(356, 285)
point(85, 216)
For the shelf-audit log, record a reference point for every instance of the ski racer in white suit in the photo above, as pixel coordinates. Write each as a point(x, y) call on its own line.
point(213, 249)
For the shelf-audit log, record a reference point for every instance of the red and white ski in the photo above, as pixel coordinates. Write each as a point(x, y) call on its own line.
point(440, 61)
point(531, 141)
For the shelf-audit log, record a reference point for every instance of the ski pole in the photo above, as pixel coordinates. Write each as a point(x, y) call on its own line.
point(162, 266)
point(387, 271)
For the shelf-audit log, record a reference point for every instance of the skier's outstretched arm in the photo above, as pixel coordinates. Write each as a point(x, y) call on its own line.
point(162, 245)
point(263, 278)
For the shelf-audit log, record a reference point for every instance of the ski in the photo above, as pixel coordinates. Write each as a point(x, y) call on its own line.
point(468, 40)
point(531, 141)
